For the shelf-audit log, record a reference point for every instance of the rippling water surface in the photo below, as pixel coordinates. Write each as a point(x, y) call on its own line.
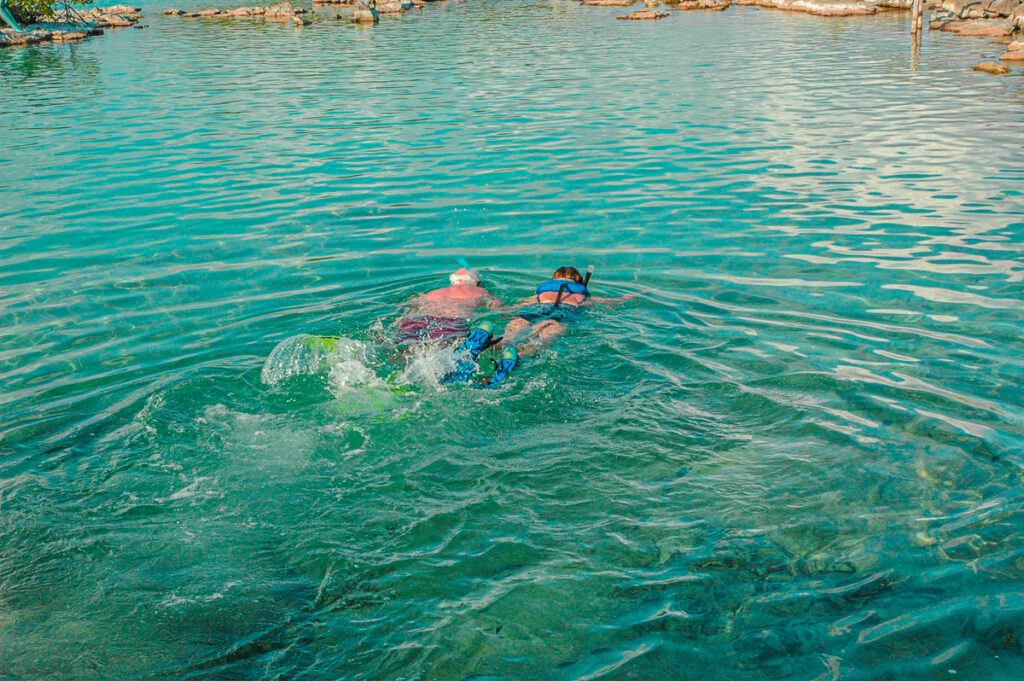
point(796, 455)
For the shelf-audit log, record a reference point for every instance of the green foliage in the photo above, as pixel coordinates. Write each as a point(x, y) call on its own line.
point(28, 11)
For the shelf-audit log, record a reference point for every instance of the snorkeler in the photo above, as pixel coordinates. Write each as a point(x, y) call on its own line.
point(557, 302)
point(543, 318)
point(444, 312)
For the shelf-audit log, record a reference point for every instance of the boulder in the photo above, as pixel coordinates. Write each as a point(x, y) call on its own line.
point(209, 12)
point(1012, 56)
point(980, 9)
point(990, 28)
point(283, 10)
point(1001, 8)
point(651, 4)
point(365, 13)
point(246, 12)
point(119, 9)
point(1017, 17)
point(173, 12)
point(67, 36)
point(992, 67)
point(1015, 46)
point(823, 8)
point(643, 14)
point(115, 20)
point(29, 37)
point(610, 3)
point(393, 6)
point(714, 5)
point(115, 16)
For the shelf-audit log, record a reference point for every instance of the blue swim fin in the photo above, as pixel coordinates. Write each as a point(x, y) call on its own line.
point(509, 361)
point(476, 342)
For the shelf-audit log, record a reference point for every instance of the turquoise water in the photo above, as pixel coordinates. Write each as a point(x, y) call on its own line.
point(796, 455)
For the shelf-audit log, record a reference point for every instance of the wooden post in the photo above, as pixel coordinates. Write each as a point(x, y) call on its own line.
point(915, 17)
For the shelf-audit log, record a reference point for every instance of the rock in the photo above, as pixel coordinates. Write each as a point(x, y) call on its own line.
point(1017, 17)
point(115, 16)
point(823, 8)
point(365, 14)
point(209, 12)
point(29, 37)
point(173, 12)
point(995, 68)
point(119, 9)
point(1012, 56)
point(652, 3)
point(281, 10)
point(393, 6)
point(991, 28)
point(115, 20)
point(67, 36)
point(300, 20)
point(714, 5)
point(246, 12)
point(1002, 8)
point(334, 2)
point(644, 14)
point(611, 3)
point(1015, 46)
point(980, 9)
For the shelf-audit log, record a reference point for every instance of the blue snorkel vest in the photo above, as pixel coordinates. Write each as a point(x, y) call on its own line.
point(571, 288)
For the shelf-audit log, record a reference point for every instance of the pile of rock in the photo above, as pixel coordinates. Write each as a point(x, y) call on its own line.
point(114, 16)
point(825, 8)
point(1000, 20)
point(713, 5)
point(988, 18)
point(90, 22)
point(644, 14)
point(283, 11)
point(821, 8)
point(366, 11)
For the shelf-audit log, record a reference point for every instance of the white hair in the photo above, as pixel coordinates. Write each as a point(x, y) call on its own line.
point(464, 276)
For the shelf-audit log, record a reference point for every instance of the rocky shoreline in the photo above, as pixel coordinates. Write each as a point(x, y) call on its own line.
point(76, 25)
point(364, 11)
point(1001, 21)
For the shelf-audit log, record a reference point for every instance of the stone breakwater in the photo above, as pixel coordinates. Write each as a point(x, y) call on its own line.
point(365, 11)
point(76, 25)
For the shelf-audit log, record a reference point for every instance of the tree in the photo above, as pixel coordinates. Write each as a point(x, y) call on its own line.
point(29, 11)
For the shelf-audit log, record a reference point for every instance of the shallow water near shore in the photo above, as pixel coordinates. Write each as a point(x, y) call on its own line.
point(796, 455)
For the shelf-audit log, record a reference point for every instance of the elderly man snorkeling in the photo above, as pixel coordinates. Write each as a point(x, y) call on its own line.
point(444, 312)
